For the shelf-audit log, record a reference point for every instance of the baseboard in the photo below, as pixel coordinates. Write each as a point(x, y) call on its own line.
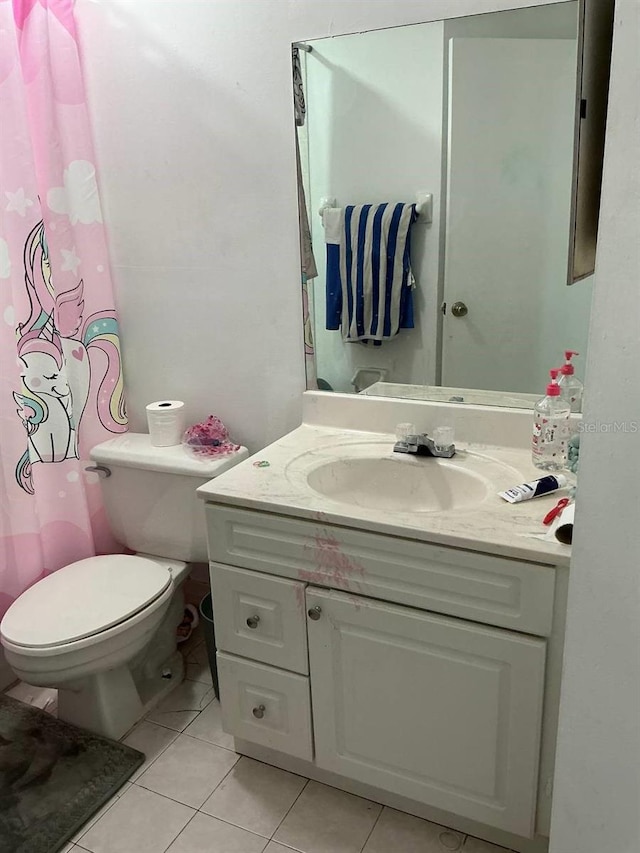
point(7, 675)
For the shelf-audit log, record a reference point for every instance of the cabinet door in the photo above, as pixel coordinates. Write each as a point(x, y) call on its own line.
point(440, 710)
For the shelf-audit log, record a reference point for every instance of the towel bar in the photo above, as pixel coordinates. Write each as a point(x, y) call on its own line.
point(424, 206)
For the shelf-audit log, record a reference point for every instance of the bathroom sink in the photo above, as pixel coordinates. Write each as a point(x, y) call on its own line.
point(370, 475)
point(398, 484)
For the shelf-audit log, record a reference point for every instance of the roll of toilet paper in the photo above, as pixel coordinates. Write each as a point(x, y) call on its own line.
point(165, 419)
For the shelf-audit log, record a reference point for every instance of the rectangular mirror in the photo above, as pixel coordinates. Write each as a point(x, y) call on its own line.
point(474, 119)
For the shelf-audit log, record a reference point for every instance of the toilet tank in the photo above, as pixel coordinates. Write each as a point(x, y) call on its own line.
point(150, 495)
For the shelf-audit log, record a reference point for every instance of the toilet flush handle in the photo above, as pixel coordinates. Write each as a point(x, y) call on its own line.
point(101, 470)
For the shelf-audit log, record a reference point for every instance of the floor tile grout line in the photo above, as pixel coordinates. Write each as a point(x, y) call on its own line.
point(292, 804)
point(197, 808)
point(270, 838)
point(177, 731)
point(233, 767)
point(375, 823)
point(111, 803)
point(195, 737)
point(210, 742)
point(228, 822)
point(234, 825)
point(238, 826)
point(286, 846)
point(181, 831)
point(165, 796)
point(151, 763)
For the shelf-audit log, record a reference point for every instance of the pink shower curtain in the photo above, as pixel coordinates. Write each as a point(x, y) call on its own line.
point(60, 369)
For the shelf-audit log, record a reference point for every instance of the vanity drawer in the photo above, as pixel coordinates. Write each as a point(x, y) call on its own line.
point(265, 705)
point(260, 617)
point(481, 587)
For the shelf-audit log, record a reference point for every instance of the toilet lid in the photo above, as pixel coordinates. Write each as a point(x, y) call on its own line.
point(83, 599)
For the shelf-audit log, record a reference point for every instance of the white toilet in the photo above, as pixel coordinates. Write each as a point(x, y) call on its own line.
point(103, 630)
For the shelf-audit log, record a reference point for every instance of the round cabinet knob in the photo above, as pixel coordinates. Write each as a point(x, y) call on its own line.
point(314, 613)
point(252, 621)
point(459, 309)
point(258, 712)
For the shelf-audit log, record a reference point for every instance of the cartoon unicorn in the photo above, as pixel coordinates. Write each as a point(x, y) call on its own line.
point(52, 434)
point(54, 397)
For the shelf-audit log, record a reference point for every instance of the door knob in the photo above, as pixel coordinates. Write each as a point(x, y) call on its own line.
point(459, 309)
point(258, 712)
point(252, 621)
point(314, 613)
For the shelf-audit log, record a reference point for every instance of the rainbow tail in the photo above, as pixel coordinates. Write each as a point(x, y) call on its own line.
point(23, 474)
point(101, 331)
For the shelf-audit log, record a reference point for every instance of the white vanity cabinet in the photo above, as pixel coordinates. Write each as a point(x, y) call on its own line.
point(418, 672)
point(436, 709)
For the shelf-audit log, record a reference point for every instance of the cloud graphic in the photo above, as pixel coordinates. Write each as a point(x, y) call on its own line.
point(78, 198)
point(5, 260)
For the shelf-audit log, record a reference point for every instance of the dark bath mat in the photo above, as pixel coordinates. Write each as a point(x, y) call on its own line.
point(53, 777)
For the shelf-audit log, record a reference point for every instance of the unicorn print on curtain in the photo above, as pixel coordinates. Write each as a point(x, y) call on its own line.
point(61, 388)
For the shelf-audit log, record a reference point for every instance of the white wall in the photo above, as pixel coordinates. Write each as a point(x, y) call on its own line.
point(597, 788)
point(193, 123)
point(192, 117)
point(374, 126)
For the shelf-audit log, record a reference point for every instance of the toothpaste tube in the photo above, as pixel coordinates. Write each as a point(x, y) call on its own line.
point(534, 489)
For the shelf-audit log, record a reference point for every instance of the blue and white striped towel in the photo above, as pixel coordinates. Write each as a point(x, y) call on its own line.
point(369, 279)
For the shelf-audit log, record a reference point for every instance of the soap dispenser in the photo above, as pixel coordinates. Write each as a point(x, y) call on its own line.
point(570, 386)
point(551, 428)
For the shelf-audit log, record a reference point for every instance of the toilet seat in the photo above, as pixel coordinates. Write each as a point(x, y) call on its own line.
point(84, 603)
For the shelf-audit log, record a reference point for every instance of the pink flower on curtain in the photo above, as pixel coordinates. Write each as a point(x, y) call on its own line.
point(61, 386)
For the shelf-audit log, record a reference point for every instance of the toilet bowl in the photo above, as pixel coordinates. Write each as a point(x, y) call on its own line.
point(103, 630)
point(112, 608)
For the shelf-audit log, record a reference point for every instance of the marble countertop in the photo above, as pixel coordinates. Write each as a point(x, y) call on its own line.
point(490, 526)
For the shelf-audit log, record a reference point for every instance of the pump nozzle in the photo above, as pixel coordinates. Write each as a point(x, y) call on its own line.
point(553, 389)
point(567, 368)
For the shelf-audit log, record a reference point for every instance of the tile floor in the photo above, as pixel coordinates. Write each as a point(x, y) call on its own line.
point(194, 794)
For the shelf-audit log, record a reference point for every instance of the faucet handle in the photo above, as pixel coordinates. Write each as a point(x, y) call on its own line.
point(403, 431)
point(443, 437)
point(407, 440)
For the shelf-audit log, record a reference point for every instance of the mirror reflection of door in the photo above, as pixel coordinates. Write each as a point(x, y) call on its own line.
point(509, 161)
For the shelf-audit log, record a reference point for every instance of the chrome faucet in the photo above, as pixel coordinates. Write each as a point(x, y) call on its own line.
point(422, 445)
